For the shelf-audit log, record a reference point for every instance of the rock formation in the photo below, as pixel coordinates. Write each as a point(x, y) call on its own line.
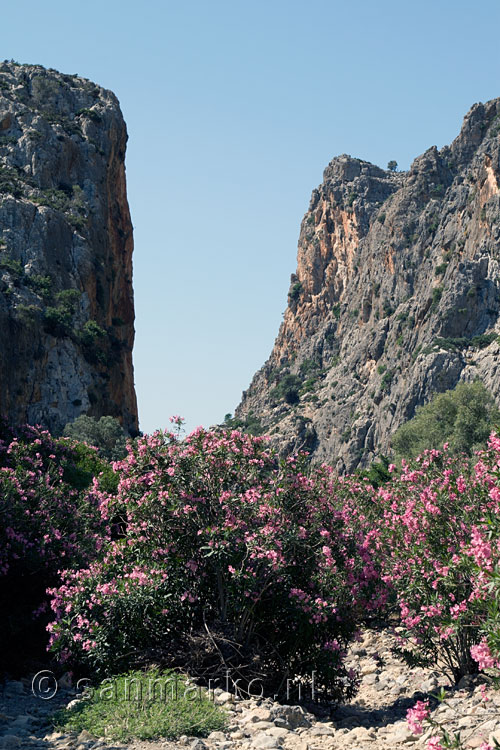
point(395, 297)
point(66, 298)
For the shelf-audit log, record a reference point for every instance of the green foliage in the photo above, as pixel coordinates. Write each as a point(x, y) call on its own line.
point(93, 340)
point(309, 367)
point(437, 191)
point(441, 269)
point(437, 293)
point(34, 135)
point(58, 321)
point(68, 298)
point(91, 114)
point(27, 314)
point(392, 165)
point(69, 126)
point(345, 435)
point(296, 291)
point(85, 464)
point(56, 199)
point(10, 183)
point(462, 417)
point(70, 201)
point(106, 434)
point(336, 311)
point(59, 318)
point(15, 267)
point(41, 285)
point(309, 385)
point(378, 472)
point(455, 344)
point(287, 389)
point(381, 218)
point(250, 424)
point(387, 308)
point(225, 551)
point(145, 706)
point(386, 381)
point(7, 140)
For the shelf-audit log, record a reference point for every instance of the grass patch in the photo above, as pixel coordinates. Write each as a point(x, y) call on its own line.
point(145, 706)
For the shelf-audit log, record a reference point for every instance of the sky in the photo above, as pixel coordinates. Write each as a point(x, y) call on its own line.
point(233, 111)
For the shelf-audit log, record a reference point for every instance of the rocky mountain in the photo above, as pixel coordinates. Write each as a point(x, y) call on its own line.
point(395, 297)
point(66, 298)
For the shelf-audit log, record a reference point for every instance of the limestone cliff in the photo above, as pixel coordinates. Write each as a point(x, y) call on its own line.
point(66, 298)
point(395, 297)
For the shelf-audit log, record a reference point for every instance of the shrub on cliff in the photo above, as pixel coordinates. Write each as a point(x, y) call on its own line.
point(287, 389)
point(228, 559)
point(462, 417)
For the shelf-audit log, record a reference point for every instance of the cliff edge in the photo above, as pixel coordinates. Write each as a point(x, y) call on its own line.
point(395, 298)
point(66, 297)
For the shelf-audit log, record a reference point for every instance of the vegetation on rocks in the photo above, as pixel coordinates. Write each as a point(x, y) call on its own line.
point(144, 705)
point(462, 417)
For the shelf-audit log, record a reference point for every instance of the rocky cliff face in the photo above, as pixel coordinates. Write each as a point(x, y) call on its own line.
point(395, 297)
point(66, 299)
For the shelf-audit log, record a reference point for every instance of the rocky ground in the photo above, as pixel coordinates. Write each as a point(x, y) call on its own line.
point(374, 720)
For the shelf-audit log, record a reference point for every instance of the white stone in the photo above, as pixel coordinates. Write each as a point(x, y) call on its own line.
point(263, 741)
point(222, 698)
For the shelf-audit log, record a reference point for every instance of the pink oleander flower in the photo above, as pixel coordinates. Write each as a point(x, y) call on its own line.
point(416, 715)
point(482, 654)
point(434, 743)
point(484, 696)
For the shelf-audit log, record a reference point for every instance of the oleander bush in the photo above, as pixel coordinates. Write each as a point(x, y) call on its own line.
point(48, 519)
point(227, 559)
point(209, 553)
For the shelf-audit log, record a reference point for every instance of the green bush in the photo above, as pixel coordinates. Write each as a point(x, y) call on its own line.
point(106, 434)
point(463, 417)
point(91, 114)
point(441, 269)
point(386, 381)
point(10, 183)
point(41, 285)
point(296, 291)
point(59, 318)
point(437, 293)
point(453, 344)
point(15, 267)
point(287, 389)
point(93, 340)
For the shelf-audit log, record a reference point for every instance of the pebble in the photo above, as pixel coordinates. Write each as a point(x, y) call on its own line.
point(263, 741)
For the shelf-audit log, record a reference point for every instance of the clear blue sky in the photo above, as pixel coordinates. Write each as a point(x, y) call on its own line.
point(233, 111)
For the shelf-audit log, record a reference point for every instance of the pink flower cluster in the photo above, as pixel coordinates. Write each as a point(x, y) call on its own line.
point(416, 715)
